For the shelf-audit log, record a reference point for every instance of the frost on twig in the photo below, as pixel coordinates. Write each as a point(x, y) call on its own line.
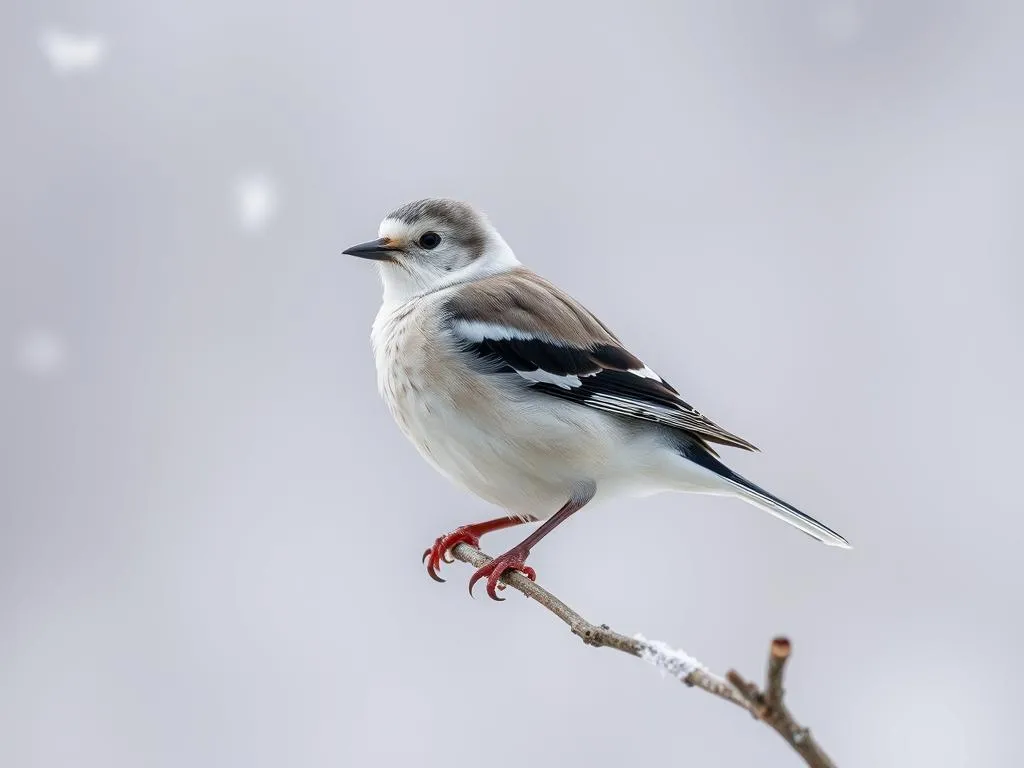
point(677, 663)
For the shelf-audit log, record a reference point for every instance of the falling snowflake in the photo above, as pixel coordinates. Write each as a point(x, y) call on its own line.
point(70, 53)
point(839, 21)
point(41, 353)
point(256, 201)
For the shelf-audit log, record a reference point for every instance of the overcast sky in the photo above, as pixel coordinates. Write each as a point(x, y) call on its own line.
point(805, 214)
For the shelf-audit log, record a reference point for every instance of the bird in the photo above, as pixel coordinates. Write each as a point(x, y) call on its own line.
point(516, 392)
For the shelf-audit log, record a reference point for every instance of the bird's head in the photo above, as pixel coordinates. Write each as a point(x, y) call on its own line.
point(428, 244)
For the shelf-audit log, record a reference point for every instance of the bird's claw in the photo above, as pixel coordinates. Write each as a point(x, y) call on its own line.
point(440, 552)
point(513, 560)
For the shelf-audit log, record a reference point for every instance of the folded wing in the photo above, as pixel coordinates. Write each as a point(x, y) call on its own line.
point(519, 323)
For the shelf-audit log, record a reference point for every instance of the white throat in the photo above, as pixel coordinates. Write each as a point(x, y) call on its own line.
point(406, 281)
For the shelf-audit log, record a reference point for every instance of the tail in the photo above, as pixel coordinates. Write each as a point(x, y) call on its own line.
point(760, 498)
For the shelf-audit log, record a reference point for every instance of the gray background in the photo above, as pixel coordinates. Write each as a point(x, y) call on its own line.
point(806, 215)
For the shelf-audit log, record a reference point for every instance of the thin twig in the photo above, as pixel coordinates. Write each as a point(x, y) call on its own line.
point(770, 707)
point(767, 706)
point(777, 657)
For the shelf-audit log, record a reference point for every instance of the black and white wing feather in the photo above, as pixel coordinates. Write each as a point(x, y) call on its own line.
point(519, 323)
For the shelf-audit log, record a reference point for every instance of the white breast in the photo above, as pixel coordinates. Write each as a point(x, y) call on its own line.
point(391, 345)
point(520, 450)
point(423, 386)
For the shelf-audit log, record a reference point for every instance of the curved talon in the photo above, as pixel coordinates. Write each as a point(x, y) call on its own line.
point(440, 552)
point(433, 573)
point(493, 595)
point(430, 558)
point(474, 579)
point(510, 561)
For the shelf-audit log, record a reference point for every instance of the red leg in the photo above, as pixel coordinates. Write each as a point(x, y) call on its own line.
point(515, 558)
point(470, 534)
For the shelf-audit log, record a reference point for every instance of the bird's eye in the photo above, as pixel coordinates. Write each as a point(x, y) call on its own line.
point(430, 240)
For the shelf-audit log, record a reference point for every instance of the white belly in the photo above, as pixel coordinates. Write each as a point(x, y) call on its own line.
point(517, 449)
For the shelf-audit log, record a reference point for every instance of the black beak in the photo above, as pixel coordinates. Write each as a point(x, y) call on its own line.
point(378, 250)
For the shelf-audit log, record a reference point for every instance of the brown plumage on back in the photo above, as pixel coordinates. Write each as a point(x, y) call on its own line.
point(610, 378)
point(525, 300)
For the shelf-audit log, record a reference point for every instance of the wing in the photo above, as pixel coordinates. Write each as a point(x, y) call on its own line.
point(519, 323)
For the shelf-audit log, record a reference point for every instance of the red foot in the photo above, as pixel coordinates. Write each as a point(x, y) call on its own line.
point(438, 553)
point(513, 560)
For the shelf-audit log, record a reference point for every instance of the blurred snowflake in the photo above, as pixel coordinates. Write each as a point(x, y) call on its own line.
point(256, 201)
point(41, 353)
point(839, 21)
point(69, 53)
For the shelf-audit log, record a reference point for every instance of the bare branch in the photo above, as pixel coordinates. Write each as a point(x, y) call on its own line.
point(770, 707)
point(773, 691)
point(767, 706)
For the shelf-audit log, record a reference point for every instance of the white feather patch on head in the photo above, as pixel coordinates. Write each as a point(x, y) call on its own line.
point(393, 228)
point(469, 249)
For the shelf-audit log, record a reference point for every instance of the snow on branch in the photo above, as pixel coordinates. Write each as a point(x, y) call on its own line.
point(767, 706)
point(677, 663)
